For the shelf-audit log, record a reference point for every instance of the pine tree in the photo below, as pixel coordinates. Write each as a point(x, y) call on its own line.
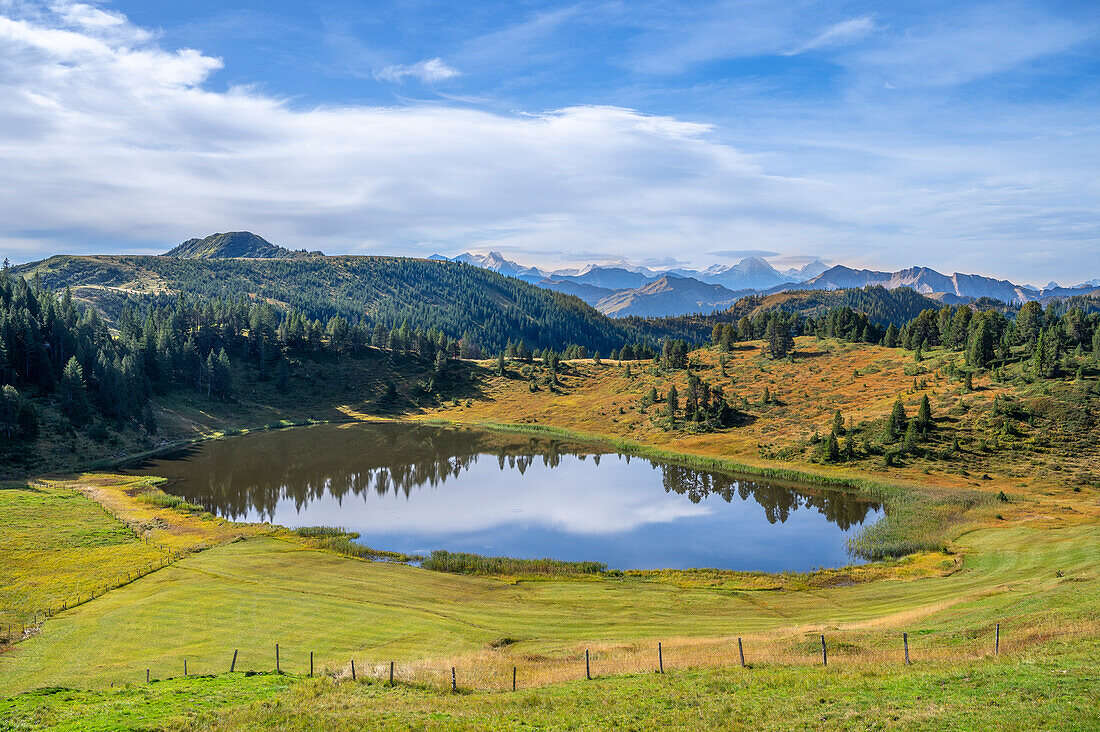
point(979, 349)
point(10, 401)
point(282, 374)
point(912, 436)
point(849, 446)
point(500, 364)
point(890, 340)
point(896, 422)
point(73, 395)
point(673, 401)
point(1044, 356)
point(968, 382)
point(832, 448)
point(838, 423)
point(767, 395)
point(924, 413)
point(778, 337)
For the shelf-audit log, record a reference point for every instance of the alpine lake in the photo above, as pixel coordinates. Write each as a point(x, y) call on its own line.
point(414, 488)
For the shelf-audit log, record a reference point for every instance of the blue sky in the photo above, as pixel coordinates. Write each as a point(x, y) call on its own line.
point(961, 135)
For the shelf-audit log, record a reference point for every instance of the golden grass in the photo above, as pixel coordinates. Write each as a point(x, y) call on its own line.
point(860, 380)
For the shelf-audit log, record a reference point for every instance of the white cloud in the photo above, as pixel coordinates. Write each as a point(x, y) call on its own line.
point(971, 43)
point(110, 141)
point(838, 34)
point(431, 71)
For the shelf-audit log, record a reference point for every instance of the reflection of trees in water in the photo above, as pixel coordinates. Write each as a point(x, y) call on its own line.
point(777, 500)
point(251, 474)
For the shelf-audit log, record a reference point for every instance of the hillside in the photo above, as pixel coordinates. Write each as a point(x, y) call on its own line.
point(234, 245)
point(878, 303)
point(477, 305)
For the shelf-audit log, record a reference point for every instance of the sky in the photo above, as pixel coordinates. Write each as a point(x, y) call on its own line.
point(964, 136)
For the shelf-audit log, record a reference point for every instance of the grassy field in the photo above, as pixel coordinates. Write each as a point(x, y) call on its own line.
point(250, 595)
point(1028, 562)
point(1050, 690)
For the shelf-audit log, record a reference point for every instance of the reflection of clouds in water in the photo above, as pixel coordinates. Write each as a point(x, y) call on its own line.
point(410, 488)
point(565, 498)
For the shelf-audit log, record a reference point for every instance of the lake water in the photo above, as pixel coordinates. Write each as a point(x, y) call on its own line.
point(413, 489)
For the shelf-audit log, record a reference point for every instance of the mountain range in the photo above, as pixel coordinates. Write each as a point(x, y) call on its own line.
point(621, 289)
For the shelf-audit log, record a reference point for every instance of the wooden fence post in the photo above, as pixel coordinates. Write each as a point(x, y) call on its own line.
point(741, 652)
point(824, 654)
point(587, 666)
point(277, 659)
point(905, 641)
point(233, 664)
point(391, 673)
point(454, 680)
point(185, 667)
point(513, 678)
point(147, 676)
point(997, 640)
point(353, 669)
point(311, 664)
point(660, 658)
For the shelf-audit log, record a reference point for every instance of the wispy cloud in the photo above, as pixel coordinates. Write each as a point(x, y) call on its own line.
point(431, 71)
point(838, 34)
point(112, 138)
point(742, 253)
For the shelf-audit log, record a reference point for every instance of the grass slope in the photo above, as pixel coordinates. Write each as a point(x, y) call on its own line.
point(250, 595)
point(1053, 689)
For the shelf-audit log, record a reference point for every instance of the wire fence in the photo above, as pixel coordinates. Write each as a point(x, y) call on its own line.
point(497, 670)
point(31, 623)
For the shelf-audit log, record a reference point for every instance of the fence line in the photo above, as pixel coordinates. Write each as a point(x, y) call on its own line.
point(476, 673)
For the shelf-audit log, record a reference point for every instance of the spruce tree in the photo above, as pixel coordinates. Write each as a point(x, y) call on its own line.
point(890, 340)
point(979, 349)
point(832, 448)
point(924, 413)
point(838, 423)
point(10, 401)
point(73, 396)
point(912, 436)
point(896, 422)
point(673, 401)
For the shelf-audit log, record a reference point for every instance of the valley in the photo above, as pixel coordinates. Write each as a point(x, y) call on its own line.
point(989, 509)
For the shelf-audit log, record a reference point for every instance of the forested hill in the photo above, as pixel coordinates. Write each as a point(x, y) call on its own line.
point(234, 244)
point(464, 302)
point(881, 306)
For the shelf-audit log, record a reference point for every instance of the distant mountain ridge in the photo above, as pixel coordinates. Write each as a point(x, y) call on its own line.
point(622, 288)
point(930, 282)
point(234, 245)
point(669, 296)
